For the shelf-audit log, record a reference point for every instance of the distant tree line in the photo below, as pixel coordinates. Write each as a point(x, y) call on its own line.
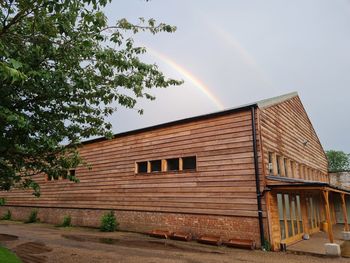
point(338, 161)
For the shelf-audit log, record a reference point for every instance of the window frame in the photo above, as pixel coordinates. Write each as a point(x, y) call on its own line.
point(164, 165)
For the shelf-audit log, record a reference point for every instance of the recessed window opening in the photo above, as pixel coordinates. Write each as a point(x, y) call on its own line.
point(189, 163)
point(69, 173)
point(285, 167)
point(142, 167)
point(172, 164)
point(270, 163)
point(278, 165)
point(156, 166)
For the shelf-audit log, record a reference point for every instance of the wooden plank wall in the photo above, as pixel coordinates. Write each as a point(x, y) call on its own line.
point(284, 128)
point(224, 183)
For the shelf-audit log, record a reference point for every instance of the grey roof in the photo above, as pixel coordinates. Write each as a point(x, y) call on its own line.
point(276, 100)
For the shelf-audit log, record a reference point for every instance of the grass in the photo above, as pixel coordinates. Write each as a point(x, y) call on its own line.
point(7, 256)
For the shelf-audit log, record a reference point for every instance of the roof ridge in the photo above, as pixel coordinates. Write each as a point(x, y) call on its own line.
point(265, 103)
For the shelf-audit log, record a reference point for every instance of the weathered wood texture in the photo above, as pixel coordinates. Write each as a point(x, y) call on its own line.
point(223, 184)
point(287, 131)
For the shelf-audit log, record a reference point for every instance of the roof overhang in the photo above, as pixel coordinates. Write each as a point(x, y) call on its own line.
point(290, 184)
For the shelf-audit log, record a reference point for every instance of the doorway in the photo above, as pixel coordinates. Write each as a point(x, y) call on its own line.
point(290, 217)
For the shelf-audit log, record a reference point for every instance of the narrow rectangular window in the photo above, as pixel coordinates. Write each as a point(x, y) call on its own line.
point(285, 167)
point(189, 163)
point(292, 169)
point(301, 171)
point(270, 163)
point(156, 166)
point(278, 158)
point(172, 164)
point(141, 167)
point(66, 174)
point(71, 172)
point(281, 215)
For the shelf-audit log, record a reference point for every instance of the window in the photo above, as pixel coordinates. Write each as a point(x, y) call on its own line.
point(172, 164)
point(62, 176)
point(69, 173)
point(290, 217)
point(189, 163)
point(156, 166)
point(270, 163)
point(301, 171)
point(292, 168)
point(285, 162)
point(141, 167)
point(278, 165)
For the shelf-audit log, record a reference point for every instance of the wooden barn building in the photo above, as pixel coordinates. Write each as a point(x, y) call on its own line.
point(255, 172)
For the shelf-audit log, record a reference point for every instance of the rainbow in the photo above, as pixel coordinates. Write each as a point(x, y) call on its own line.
point(189, 76)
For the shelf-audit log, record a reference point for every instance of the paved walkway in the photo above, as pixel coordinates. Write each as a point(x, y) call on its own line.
point(315, 245)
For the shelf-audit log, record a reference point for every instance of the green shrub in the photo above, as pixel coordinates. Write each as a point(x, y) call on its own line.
point(266, 246)
point(108, 222)
point(7, 215)
point(67, 221)
point(33, 217)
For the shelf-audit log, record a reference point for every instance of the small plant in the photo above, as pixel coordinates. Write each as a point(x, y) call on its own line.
point(67, 221)
point(33, 217)
point(108, 222)
point(2, 201)
point(7, 215)
point(266, 246)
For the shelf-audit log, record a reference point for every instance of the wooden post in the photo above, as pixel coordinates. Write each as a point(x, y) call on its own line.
point(164, 165)
point(304, 217)
point(328, 216)
point(345, 214)
point(148, 167)
point(180, 164)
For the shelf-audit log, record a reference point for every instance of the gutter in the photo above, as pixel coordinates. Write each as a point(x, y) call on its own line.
point(257, 178)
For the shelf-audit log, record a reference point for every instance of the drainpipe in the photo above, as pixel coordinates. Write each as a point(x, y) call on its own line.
point(257, 178)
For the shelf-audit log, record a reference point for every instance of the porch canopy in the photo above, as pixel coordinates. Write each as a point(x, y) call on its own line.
point(291, 184)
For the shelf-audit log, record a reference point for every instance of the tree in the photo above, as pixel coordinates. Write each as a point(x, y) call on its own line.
point(338, 161)
point(63, 69)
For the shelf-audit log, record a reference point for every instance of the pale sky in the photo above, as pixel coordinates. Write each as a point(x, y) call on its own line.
point(238, 51)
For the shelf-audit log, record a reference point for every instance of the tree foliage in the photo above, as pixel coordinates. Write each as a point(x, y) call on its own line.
point(338, 161)
point(63, 69)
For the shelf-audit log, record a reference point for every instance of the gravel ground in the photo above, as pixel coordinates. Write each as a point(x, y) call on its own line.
point(41, 243)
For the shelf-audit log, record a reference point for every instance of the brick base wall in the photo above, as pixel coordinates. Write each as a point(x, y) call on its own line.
point(225, 226)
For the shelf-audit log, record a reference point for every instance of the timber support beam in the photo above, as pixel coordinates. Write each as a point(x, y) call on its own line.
point(345, 214)
point(328, 216)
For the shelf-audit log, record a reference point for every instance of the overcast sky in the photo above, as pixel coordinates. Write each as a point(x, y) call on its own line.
point(238, 51)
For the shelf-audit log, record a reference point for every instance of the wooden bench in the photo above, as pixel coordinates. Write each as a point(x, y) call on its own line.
point(241, 243)
point(182, 236)
point(210, 240)
point(160, 233)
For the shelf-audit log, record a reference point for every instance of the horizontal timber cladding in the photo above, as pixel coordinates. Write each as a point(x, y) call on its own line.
point(222, 184)
point(287, 131)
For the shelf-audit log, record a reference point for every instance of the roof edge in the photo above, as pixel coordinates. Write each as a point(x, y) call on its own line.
point(260, 104)
point(175, 122)
point(276, 100)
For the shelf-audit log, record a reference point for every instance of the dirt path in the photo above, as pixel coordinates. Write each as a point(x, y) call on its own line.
point(40, 243)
